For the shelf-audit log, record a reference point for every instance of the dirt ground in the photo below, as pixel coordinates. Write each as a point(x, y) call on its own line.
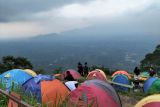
point(128, 101)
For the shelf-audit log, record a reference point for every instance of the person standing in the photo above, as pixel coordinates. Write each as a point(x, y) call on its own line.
point(85, 69)
point(80, 69)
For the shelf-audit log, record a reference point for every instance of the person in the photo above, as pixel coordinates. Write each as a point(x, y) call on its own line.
point(80, 69)
point(152, 72)
point(85, 69)
point(69, 77)
point(136, 77)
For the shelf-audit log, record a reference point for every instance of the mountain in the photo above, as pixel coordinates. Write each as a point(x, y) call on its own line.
point(68, 48)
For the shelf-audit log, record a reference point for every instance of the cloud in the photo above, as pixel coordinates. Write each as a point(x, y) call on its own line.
point(28, 18)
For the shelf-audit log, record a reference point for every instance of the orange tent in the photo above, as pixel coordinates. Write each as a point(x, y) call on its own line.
point(102, 72)
point(53, 92)
point(121, 72)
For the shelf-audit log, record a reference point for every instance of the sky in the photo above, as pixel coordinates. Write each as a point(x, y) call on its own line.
point(29, 18)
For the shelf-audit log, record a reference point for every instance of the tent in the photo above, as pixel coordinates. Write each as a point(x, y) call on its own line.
point(96, 75)
point(148, 83)
point(150, 101)
point(74, 73)
point(155, 87)
point(71, 85)
point(121, 72)
point(144, 76)
point(94, 93)
point(47, 90)
point(16, 76)
point(122, 79)
point(31, 72)
point(102, 72)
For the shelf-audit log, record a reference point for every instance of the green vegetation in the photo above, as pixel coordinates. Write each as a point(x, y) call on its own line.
point(11, 62)
point(152, 60)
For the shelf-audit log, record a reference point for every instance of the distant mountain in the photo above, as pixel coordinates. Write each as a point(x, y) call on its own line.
point(68, 48)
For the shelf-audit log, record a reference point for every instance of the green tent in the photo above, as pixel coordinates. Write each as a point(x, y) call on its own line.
point(155, 87)
point(144, 74)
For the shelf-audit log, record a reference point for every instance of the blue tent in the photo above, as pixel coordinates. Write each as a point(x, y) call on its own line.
point(16, 76)
point(120, 78)
point(33, 87)
point(148, 83)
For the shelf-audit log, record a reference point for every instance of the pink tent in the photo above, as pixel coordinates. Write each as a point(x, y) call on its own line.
point(74, 73)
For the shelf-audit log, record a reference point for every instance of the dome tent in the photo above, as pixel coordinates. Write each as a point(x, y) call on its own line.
point(31, 72)
point(96, 75)
point(16, 76)
point(150, 101)
point(74, 73)
point(95, 93)
point(102, 72)
point(121, 72)
point(122, 79)
point(46, 89)
point(148, 84)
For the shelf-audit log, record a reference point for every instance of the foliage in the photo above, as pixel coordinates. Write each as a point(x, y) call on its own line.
point(11, 62)
point(152, 60)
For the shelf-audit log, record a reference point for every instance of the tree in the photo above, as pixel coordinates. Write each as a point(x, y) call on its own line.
point(11, 62)
point(152, 60)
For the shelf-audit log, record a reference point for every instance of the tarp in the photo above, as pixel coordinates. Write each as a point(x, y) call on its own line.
point(31, 72)
point(94, 93)
point(96, 75)
point(150, 101)
point(123, 79)
point(49, 92)
point(121, 72)
point(148, 83)
point(74, 73)
point(16, 76)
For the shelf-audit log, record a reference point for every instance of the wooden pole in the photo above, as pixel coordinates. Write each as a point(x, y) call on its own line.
point(20, 102)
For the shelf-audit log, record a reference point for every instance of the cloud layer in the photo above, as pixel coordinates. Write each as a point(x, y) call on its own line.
point(21, 19)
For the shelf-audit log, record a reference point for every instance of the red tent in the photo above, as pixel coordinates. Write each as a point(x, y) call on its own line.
point(74, 73)
point(94, 93)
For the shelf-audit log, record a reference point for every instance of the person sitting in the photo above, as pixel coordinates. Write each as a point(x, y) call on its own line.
point(69, 77)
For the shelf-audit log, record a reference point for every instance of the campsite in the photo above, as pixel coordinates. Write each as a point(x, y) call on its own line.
point(97, 89)
point(79, 53)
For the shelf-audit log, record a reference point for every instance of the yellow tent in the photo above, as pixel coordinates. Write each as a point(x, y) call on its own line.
point(102, 72)
point(150, 101)
point(31, 72)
